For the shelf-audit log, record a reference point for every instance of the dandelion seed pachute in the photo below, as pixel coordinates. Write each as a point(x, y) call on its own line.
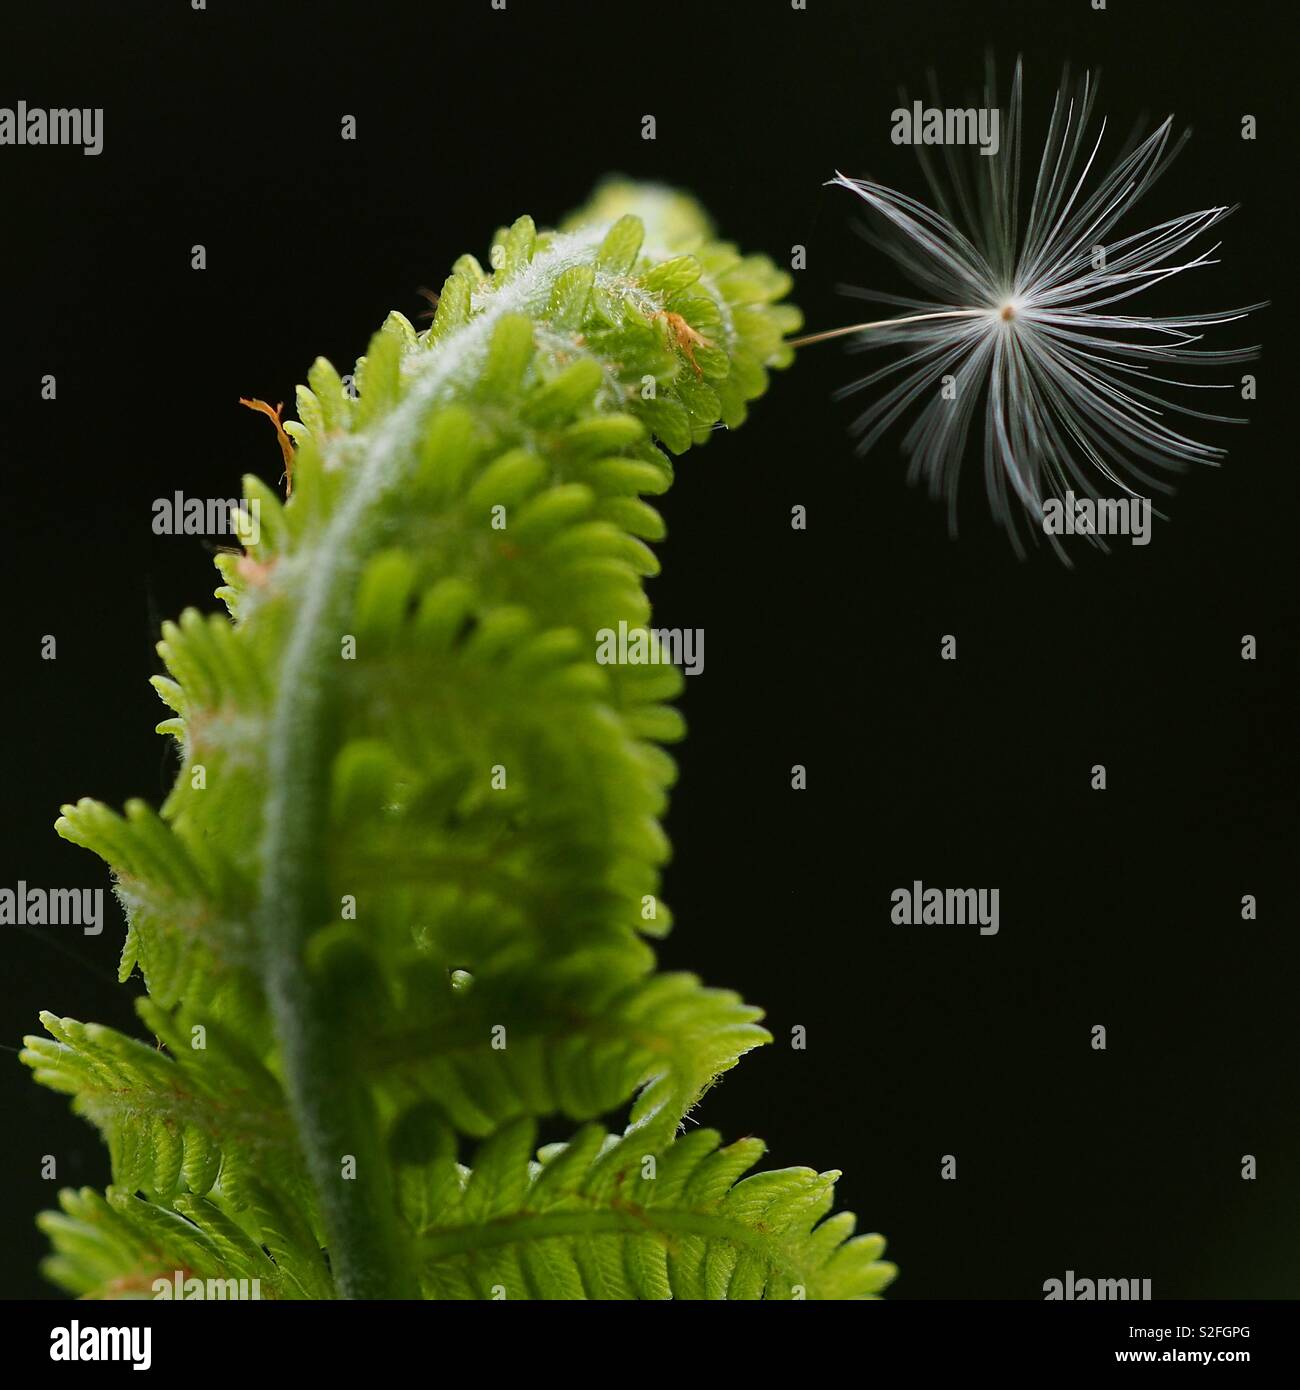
point(1020, 319)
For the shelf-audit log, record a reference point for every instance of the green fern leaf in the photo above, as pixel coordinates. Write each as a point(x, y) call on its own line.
point(602, 1218)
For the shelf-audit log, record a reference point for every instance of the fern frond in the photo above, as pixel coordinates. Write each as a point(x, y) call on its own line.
point(187, 912)
point(116, 1245)
point(173, 1124)
point(584, 1035)
point(407, 879)
point(601, 1218)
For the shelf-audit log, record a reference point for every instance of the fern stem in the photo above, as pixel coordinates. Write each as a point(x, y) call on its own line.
point(329, 1103)
point(358, 1223)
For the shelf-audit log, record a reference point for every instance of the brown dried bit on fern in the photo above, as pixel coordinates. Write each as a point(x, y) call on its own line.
point(684, 337)
point(286, 444)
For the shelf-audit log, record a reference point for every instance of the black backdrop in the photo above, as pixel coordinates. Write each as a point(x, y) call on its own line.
point(1120, 908)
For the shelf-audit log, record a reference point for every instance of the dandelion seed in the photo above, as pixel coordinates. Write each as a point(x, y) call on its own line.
point(1023, 320)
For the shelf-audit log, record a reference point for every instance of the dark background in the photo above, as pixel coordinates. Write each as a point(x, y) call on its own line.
point(1121, 908)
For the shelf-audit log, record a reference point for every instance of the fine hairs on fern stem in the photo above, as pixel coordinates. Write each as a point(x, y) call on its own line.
point(364, 1249)
point(397, 906)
